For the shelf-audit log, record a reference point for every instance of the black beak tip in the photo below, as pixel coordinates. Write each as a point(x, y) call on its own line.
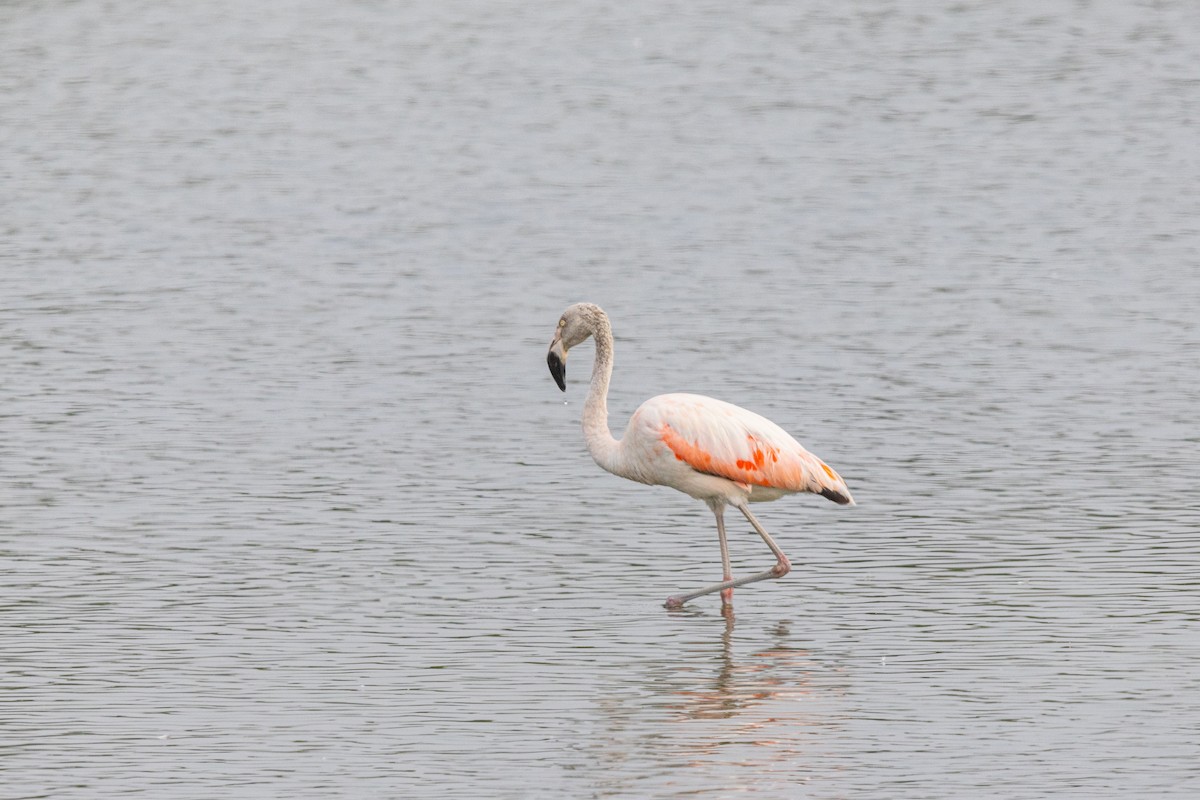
point(557, 369)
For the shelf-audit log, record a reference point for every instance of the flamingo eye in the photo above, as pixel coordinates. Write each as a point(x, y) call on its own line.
point(562, 323)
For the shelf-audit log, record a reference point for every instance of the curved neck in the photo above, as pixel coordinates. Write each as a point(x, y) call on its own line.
point(604, 448)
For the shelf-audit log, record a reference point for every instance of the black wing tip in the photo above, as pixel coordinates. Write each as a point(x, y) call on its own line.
point(837, 497)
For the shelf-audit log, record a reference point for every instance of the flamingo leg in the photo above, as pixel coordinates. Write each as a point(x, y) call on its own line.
point(782, 565)
point(727, 571)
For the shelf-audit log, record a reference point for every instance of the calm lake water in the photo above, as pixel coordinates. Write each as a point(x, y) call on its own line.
point(292, 508)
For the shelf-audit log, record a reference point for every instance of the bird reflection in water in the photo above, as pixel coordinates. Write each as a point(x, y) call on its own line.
point(764, 718)
point(777, 673)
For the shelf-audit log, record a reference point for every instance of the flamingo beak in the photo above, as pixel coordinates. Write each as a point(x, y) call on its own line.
point(556, 359)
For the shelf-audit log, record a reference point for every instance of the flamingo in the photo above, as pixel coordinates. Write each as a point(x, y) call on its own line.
point(711, 450)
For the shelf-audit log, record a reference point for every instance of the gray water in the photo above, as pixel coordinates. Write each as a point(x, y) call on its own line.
point(292, 508)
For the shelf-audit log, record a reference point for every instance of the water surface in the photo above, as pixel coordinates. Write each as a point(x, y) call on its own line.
point(291, 507)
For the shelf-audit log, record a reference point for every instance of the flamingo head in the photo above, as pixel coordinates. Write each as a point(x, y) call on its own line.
point(575, 325)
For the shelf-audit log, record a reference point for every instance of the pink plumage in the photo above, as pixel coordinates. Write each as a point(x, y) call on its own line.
point(719, 438)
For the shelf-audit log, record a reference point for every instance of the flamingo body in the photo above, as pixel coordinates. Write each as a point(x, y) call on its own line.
point(685, 440)
point(709, 449)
